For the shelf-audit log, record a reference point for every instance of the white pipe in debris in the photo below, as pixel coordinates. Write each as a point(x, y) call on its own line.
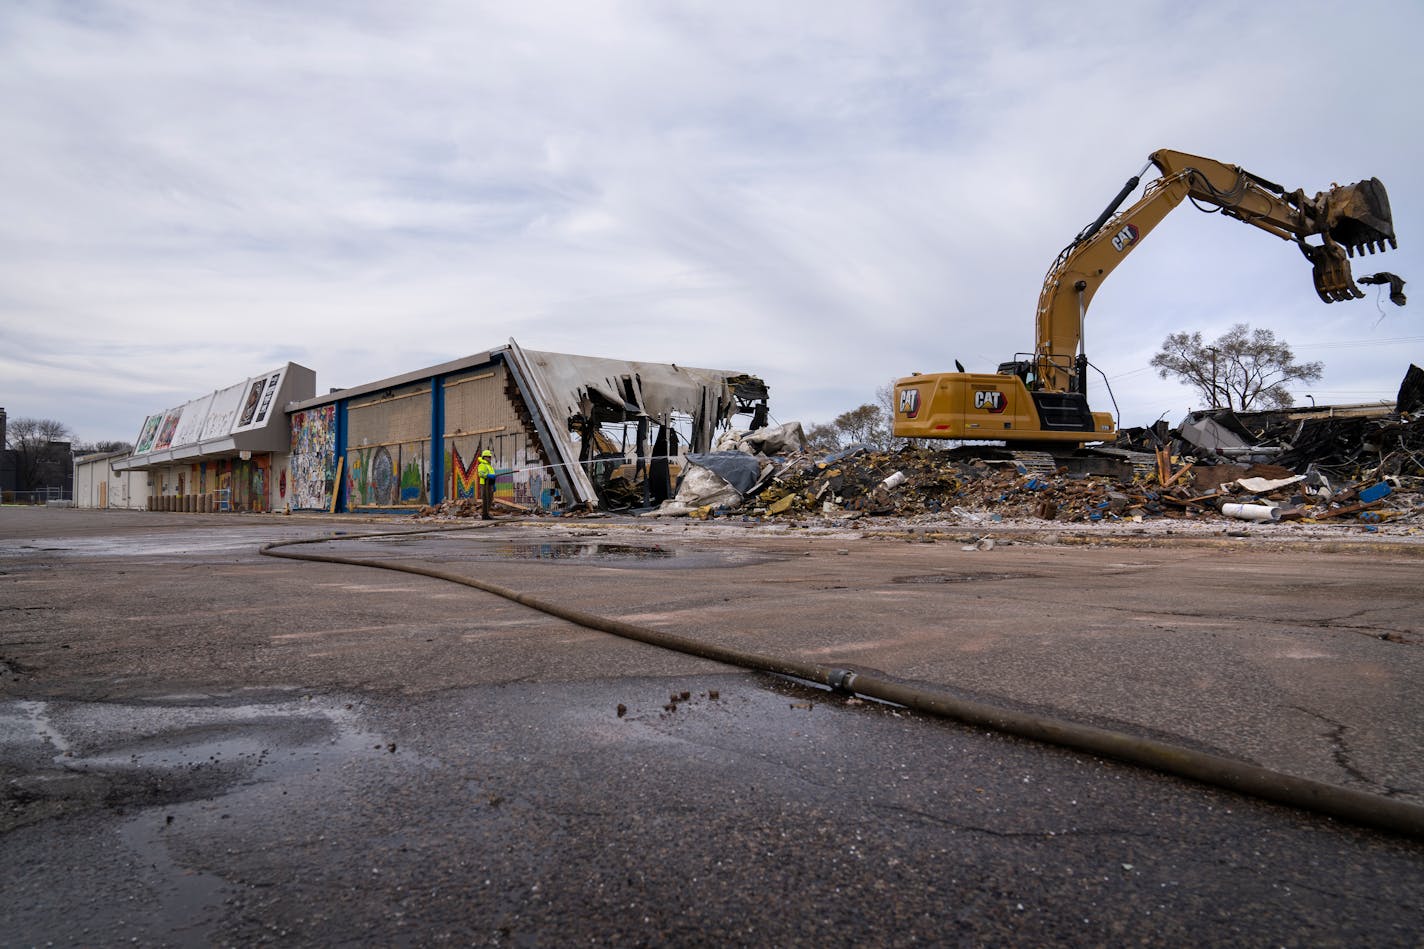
point(1252, 512)
point(894, 481)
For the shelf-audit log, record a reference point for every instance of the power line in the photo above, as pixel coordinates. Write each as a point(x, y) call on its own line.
point(1360, 342)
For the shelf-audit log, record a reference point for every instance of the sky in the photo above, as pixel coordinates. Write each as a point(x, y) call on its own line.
point(827, 194)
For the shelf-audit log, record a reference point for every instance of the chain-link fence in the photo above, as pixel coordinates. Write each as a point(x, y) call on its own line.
point(40, 496)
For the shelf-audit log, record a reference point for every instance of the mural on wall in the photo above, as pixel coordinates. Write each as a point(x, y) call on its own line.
point(166, 430)
point(388, 475)
point(464, 479)
point(149, 434)
point(519, 477)
point(249, 408)
point(529, 484)
point(261, 395)
point(261, 475)
point(412, 482)
point(313, 461)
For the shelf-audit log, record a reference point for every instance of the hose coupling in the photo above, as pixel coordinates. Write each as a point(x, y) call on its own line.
point(840, 681)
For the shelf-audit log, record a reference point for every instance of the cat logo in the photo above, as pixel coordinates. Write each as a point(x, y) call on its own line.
point(909, 402)
point(990, 400)
point(1125, 238)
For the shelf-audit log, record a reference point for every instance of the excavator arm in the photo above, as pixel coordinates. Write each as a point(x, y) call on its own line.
point(1348, 219)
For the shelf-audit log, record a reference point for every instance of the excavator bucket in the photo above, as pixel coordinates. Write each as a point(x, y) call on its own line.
point(1355, 220)
point(1331, 270)
point(1357, 217)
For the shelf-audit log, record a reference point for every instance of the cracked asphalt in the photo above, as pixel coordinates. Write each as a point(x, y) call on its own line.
point(203, 746)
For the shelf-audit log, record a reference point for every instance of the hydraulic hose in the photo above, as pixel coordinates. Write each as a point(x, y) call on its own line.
point(1243, 777)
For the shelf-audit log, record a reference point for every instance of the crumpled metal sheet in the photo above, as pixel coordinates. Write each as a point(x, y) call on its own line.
point(560, 386)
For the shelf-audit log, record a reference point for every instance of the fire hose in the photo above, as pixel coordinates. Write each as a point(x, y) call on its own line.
point(1243, 777)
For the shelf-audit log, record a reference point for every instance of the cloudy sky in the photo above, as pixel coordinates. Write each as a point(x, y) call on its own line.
point(828, 194)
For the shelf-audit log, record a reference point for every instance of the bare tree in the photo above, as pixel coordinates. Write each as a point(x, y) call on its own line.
point(1243, 369)
point(40, 445)
point(865, 425)
point(823, 436)
point(868, 424)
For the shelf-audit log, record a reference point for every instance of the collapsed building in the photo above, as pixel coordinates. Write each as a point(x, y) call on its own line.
point(567, 432)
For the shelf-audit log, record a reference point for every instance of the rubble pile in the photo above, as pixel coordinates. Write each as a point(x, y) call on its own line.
point(924, 481)
point(1362, 465)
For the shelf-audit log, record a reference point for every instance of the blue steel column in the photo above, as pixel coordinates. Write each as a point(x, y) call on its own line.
point(437, 439)
point(340, 454)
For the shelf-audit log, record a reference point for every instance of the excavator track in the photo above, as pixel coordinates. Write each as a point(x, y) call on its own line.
point(1036, 462)
point(1143, 463)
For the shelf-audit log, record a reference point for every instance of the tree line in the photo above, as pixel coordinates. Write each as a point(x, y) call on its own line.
point(43, 450)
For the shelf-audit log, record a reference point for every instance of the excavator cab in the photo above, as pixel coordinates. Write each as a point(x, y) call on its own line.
point(1354, 219)
point(1024, 369)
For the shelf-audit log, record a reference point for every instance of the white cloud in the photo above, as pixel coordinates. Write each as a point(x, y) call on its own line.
point(829, 194)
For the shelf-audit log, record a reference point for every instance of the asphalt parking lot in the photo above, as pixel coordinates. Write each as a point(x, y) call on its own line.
point(200, 744)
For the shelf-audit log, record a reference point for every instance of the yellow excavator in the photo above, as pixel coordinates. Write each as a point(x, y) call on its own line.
point(1040, 399)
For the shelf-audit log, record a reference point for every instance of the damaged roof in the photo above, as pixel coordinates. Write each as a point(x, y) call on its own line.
point(559, 387)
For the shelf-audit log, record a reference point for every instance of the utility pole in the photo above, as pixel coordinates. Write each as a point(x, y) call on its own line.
point(1215, 391)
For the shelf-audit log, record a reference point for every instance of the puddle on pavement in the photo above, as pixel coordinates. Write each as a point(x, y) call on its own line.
point(958, 577)
point(160, 755)
point(174, 771)
point(149, 544)
point(582, 551)
point(624, 555)
point(451, 547)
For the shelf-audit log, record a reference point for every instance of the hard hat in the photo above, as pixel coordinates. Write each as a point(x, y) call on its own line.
point(486, 454)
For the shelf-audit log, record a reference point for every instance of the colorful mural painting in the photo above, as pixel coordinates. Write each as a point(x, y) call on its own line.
point(261, 472)
point(529, 485)
point(520, 479)
point(249, 410)
point(166, 430)
point(261, 396)
point(388, 475)
point(464, 479)
point(412, 483)
point(148, 435)
point(313, 461)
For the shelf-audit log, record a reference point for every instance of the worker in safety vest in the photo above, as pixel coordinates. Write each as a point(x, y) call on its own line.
point(486, 472)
